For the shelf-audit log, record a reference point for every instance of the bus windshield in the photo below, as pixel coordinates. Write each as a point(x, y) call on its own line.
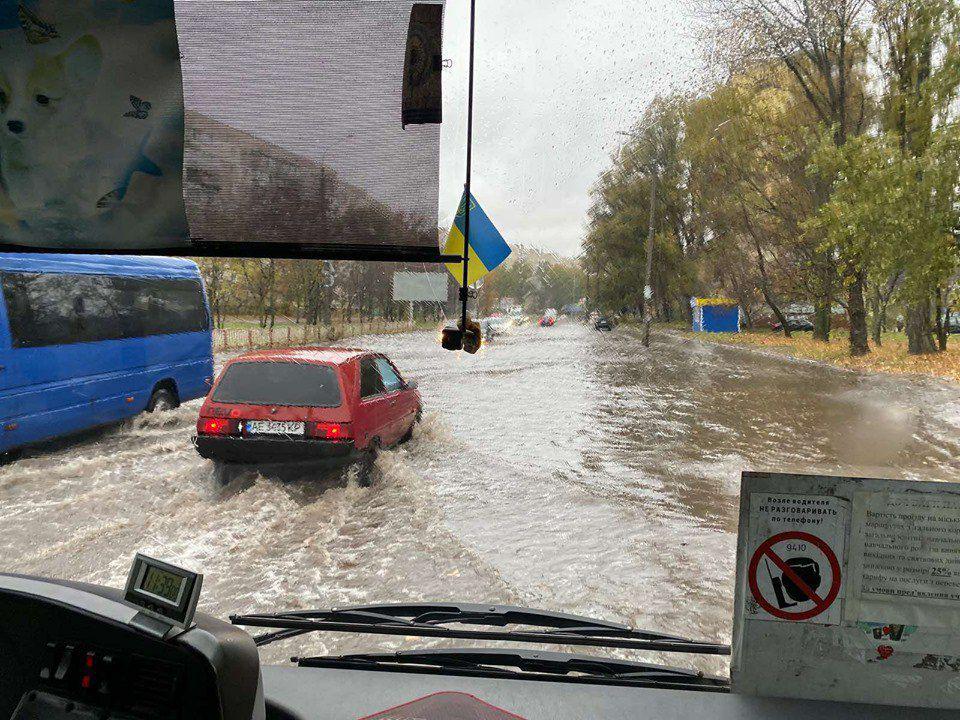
point(733, 245)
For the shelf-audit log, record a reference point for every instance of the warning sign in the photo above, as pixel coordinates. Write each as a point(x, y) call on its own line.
point(848, 590)
point(794, 573)
point(790, 586)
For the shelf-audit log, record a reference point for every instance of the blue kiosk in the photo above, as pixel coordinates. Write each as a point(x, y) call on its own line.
point(715, 315)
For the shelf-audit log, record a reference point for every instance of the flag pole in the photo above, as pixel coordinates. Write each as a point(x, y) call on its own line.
point(464, 292)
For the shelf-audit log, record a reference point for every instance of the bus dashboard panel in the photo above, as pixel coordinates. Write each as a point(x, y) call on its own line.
point(90, 340)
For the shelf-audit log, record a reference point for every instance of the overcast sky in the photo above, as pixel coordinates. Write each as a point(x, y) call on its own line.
point(555, 81)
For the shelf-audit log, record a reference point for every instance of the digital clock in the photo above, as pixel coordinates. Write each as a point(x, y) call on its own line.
point(163, 591)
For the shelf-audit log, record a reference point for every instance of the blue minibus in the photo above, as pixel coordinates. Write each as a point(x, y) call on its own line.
point(88, 340)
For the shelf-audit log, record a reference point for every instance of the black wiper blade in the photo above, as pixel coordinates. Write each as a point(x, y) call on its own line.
point(523, 664)
point(433, 619)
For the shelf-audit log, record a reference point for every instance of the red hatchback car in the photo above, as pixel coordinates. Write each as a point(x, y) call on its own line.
point(327, 404)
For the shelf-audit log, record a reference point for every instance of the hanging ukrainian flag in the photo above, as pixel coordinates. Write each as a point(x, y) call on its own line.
point(487, 247)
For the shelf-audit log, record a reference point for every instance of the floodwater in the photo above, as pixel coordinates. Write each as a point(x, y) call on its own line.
point(560, 468)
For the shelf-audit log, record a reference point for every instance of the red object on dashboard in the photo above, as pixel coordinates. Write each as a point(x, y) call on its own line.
point(445, 706)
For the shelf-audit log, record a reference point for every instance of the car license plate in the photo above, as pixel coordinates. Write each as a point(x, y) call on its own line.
point(274, 427)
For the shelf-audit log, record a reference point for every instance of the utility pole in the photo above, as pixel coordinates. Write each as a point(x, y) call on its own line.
point(648, 283)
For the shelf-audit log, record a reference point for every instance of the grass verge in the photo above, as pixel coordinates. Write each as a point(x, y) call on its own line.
point(891, 357)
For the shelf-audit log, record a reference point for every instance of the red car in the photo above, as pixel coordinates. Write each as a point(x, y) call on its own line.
point(326, 404)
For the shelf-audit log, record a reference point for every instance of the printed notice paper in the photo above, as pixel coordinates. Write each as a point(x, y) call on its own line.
point(906, 555)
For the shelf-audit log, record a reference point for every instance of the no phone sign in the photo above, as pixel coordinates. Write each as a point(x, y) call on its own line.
point(794, 576)
point(792, 567)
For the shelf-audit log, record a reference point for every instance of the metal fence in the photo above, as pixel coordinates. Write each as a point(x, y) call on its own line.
point(294, 335)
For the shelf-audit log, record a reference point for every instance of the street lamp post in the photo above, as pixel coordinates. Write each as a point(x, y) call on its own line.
point(648, 285)
point(654, 170)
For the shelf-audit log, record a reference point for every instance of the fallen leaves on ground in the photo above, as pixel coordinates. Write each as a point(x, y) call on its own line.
point(890, 357)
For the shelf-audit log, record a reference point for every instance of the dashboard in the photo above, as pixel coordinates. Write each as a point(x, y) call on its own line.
point(75, 650)
point(71, 651)
point(324, 694)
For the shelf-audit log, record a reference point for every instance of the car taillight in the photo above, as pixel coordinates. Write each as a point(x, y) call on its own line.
point(329, 430)
point(217, 426)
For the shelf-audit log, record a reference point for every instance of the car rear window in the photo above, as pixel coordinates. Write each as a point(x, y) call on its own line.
point(279, 383)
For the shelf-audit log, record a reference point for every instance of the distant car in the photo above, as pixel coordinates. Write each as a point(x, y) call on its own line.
point(603, 323)
point(332, 405)
point(493, 326)
point(548, 321)
point(796, 323)
point(953, 326)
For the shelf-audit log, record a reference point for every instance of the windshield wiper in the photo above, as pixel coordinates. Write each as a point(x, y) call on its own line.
point(523, 664)
point(432, 619)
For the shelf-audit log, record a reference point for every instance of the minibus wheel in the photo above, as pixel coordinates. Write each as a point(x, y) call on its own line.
point(10, 456)
point(224, 473)
point(161, 400)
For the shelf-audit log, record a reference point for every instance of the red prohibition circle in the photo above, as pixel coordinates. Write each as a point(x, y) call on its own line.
point(766, 548)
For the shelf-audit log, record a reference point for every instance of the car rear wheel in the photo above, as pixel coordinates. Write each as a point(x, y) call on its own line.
point(161, 400)
point(416, 421)
point(224, 473)
point(367, 464)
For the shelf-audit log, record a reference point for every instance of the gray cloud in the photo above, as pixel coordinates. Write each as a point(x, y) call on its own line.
point(555, 81)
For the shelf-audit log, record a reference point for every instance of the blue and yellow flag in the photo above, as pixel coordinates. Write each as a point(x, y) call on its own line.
point(487, 247)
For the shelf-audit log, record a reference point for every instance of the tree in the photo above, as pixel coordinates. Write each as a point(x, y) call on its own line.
point(534, 279)
point(616, 246)
point(216, 275)
point(260, 282)
point(747, 145)
point(823, 45)
point(920, 64)
point(895, 213)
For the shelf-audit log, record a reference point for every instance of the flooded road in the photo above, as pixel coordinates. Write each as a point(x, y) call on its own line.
point(561, 468)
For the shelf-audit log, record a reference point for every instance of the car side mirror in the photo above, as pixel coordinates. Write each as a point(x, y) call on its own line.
point(411, 385)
